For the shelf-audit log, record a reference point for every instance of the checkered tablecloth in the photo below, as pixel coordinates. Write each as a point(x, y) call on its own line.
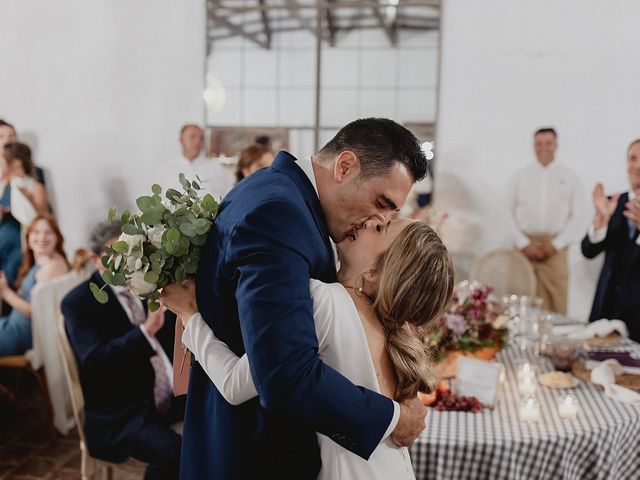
point(602, 443)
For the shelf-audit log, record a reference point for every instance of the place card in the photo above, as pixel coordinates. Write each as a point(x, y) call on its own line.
point(479, 379)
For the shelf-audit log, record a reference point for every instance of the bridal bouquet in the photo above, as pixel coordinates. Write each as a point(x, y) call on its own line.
point(160, 244)
point(472, 322)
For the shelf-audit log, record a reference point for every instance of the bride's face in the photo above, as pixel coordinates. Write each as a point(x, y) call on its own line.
point(371, 242)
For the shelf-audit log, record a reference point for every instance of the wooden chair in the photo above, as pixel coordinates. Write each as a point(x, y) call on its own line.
point(21, 363)
point(90, 467)
point(508, 271)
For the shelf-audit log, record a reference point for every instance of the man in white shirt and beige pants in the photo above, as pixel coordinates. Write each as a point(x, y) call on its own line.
point(547, 215)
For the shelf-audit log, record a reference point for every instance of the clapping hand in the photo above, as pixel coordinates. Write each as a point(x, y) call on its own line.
point(604, 206)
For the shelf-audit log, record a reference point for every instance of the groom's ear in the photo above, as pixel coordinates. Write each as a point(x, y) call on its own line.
point(347, 166)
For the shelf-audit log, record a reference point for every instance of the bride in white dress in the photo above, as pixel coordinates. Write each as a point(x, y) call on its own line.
point(394, 279)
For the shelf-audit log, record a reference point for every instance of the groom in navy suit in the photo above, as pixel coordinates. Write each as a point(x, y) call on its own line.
point(615, 232)
point(270, 237)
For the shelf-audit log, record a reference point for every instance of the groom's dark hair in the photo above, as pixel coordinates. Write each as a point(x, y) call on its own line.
point(379, 143)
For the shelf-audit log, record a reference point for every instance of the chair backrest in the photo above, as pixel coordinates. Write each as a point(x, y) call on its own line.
point(73, 377)
point(508, 271)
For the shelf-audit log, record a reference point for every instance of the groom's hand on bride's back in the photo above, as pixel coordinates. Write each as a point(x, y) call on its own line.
point(411, 422)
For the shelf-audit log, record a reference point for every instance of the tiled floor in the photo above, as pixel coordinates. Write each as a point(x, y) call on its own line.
point(29, 450)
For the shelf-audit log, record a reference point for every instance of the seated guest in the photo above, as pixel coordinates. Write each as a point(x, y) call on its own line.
point(615, 231)
point(123, 354)
point(17, 207)
point(8, 135)
point(252, 158)
point(43, 260)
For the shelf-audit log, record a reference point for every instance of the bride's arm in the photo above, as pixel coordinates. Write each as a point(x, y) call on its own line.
point(230, 374)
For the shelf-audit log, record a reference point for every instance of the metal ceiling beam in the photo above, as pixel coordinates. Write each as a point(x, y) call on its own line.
point(238, 30)
point(294, 11)
point(330, 24)
point(265, 23)
point(220, 7)
point(388, 27)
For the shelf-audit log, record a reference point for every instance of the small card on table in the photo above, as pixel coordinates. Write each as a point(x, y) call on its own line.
point(479, 379)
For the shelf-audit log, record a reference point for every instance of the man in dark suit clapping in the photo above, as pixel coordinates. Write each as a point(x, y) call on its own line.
point(123, 354)
point(615, 232)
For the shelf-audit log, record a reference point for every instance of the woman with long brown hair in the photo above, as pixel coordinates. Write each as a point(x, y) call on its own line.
point(43, 260)
point(21, 198)
point(394, 279)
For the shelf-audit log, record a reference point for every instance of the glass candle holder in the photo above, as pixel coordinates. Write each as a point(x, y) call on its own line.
point(568, 407)
point(527, 385)
point(529, 410)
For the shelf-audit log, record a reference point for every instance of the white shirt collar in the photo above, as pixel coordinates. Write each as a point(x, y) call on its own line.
point(307, 167)
point(632, 194)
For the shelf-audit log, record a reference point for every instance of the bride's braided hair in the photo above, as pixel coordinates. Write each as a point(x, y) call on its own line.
point(415, 283)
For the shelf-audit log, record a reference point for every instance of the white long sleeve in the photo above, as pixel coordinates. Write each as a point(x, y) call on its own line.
point(231, 375)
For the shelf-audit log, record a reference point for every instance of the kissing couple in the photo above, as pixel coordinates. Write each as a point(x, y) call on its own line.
point(303, 372)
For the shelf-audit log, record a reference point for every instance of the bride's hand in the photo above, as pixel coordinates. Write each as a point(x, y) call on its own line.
point(180, 298)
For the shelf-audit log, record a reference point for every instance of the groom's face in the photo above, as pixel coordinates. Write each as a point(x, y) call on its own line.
point(354, 200)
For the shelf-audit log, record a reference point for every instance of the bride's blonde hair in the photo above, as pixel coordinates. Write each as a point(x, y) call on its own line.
point(415, 283)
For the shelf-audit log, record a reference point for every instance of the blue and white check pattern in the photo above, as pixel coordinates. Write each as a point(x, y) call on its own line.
point(602, 443)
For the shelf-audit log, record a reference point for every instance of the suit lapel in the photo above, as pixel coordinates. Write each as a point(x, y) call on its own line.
point(286, 163)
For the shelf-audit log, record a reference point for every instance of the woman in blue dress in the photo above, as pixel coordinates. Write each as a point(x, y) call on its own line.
point(43, 260)
point(16, 166)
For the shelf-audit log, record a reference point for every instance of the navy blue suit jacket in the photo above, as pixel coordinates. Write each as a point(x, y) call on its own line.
point(115, 372)
point(618, 291)
point(268, 240)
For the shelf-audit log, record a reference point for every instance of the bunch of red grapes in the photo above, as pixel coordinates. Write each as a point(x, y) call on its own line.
point(448, 401)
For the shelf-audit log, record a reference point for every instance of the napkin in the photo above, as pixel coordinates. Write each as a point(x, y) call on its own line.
point(601, 328)
point(605, 375)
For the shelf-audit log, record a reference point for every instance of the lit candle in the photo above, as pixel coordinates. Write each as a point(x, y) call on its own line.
point(527, 385)
point(530, 411)
point(568, 407)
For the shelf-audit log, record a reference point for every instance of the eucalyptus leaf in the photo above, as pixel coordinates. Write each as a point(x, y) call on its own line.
point(120, 247)
point(179, 275)
point(119, 279)
point(183, 181)
point(124, 218)
point(153, 305)
point(188, 229)
point(173, 235)
point(157, 189)
point(111, 215)
point(129, 229)
point(144, 203)
point(107, 276)
point(151, 277)
point(105, 260)
point(100, 295)
point(195, 185)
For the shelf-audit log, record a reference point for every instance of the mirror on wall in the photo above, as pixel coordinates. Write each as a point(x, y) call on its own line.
point(298, 70)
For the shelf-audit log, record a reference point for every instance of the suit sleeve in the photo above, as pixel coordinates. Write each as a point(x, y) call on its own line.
point(272, 265)
point(95, 354)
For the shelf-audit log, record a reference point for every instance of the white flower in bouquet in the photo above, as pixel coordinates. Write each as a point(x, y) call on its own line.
point(155, 235)
point(160, 244)
point(132, 241)
point(138, 285)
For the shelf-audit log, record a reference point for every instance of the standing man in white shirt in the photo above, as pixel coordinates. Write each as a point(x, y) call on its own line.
point(216, 179)
point(546, 215)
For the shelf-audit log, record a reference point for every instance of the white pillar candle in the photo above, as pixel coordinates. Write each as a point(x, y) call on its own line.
point(530, 410)
point(568, 407)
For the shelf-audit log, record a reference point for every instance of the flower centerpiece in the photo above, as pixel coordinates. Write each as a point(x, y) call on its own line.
point(474, 324)
point(160, 244)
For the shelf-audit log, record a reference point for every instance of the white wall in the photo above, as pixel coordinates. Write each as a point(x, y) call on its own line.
point(511, 67)
point(101, 89)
